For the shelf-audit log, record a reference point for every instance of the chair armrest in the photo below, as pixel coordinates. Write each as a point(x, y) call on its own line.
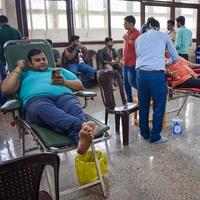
point(85, 94)
point(11, 105)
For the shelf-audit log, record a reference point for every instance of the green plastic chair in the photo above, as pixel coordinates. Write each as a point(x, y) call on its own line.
point(47, 139)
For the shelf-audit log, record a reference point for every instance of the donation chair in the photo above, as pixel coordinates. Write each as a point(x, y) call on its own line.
point(47, 140)
point(181, 93)
point(20, 178)
point(105, 79)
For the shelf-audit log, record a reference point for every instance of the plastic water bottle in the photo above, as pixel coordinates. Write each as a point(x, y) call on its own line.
point(177, 128)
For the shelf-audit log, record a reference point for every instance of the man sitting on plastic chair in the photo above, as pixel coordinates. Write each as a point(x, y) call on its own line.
point(49, 100)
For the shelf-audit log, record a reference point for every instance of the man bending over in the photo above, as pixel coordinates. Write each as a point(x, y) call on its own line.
point(48, 102)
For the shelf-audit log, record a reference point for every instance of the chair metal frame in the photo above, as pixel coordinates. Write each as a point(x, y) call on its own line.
point(24, 128)
point(181, 93)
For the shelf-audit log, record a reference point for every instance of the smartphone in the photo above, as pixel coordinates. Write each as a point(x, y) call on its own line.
point(55, 74)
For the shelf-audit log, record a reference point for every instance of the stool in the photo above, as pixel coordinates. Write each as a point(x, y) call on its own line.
point(135, 100)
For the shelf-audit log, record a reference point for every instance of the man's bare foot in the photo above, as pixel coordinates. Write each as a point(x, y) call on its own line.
point(94, 127)
point(85, 138)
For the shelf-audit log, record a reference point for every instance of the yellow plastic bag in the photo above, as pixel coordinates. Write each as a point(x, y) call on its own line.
point(86, 168)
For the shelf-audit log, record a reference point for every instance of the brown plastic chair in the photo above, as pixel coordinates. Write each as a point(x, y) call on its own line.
point(105, 79)
point(20, 178)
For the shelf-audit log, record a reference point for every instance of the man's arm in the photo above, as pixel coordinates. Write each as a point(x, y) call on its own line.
point(131, 39)
point(85, 53)
point(178, 40)
point(173, 37)
point(172, 50)
point(193, 65)
point(11, 84)
point(69, 55)
point(72, 84)
point(191, 38)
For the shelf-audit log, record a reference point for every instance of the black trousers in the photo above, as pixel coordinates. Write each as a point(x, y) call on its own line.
point(190, 83)
point(184, 56)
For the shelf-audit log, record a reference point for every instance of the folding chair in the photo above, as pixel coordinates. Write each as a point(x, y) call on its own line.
point(177, 93)
point(47, 139)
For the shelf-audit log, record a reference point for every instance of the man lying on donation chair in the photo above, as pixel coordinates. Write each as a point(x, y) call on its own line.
point(182, 74)
point(49, 101)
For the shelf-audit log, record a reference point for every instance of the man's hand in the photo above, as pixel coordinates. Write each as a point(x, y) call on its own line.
point(114, 62)
point(21, 65)
point(58, 81)
point(78, 45)
point(174, 75)
point(125, 37)
point(84, 49)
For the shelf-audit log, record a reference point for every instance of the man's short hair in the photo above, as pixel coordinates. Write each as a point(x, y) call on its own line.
point(171, 21)
point(108, 39)
point(33, 52)
point(3, 19)
point(74, 37)
point(144, 28)
point(153, 23)
point(181, 20)
point(130, 19)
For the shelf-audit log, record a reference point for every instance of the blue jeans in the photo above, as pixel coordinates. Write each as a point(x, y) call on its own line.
point(62, 113)
point(129, 79)
point(151, 85)
point(87, 70)
point(3, 74)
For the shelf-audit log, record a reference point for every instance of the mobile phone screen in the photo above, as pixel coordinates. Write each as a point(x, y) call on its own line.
point(56, 73)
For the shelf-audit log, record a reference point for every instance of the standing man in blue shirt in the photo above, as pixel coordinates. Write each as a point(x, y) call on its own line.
point(150, 67)
point(183, 38)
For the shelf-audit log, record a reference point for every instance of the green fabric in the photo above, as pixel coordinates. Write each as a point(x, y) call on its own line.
point(51, 138)
point(7, 33)
point(11, 106)
point(85, 94)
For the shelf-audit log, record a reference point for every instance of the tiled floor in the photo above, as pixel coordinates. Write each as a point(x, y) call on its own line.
point(139, 171)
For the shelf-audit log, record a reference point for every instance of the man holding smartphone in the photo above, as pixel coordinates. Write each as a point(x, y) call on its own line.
point(48, 102)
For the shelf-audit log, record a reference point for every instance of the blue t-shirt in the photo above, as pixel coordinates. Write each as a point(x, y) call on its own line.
point(35, 83)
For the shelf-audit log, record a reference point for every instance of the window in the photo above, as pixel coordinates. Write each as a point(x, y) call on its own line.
point(187, 1)
point(119, 10)
point(190, 15)
point(162, 14)
point(95, 5)
point(8, 8)
point(52, 19)
point(91, 20)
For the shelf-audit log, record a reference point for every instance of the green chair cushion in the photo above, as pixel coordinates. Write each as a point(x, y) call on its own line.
point(51, 138)
point(11, 105)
